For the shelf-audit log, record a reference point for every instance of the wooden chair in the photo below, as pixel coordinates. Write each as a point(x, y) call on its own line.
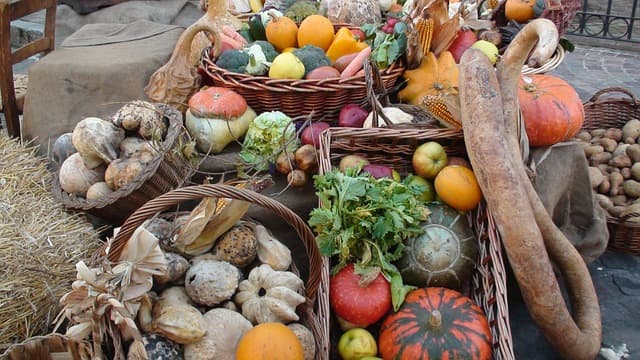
point(13, 10)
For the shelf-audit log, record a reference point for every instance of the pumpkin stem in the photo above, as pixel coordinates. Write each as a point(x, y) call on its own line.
point(435, 320)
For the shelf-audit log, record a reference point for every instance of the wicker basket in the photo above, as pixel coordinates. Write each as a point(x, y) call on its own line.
point(562, 15)
point(296, 97)
point(394, 147)
point(549, 65)
point(606, 111)
point(315, 311)
point(166, 171)
point(52, 346)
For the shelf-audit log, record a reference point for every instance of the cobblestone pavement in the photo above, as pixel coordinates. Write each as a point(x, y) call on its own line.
point(590, 69)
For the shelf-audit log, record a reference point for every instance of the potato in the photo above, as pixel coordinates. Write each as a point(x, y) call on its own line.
point(620, 149)
point(604, 201)
point(604, 186)
point(596, 177)
point(584, 136)
point(615, 179)
point(631, 188)
point(620, 161)
point(608, 144)
point(596, 133)
point(631, 130)
point(613, 134)
point(626, 172)
point(635, 171)
point(601, 158)
point(591, 150)
point(619, 200)
point(633, 151)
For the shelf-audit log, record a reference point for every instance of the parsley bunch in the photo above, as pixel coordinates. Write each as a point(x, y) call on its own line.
point(365, 221)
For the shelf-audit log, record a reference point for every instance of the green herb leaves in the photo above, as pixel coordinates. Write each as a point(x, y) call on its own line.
point(365, 221)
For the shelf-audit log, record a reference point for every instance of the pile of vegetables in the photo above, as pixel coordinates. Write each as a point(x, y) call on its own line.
point(206, 279)
point(101, 156)
point(614, 167)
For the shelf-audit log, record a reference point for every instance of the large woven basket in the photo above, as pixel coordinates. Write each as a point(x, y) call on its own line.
point(314, 313)
point(168, 170)
point(606, 110)
point(323, 97)
point(52, 346)
point(394, 147)
point(561, 15)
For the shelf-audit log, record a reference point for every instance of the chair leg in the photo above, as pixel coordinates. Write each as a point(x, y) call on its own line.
point(6, 74)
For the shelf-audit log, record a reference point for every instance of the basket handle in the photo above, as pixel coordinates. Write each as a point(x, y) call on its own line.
point(174, 197)
point(602, 92)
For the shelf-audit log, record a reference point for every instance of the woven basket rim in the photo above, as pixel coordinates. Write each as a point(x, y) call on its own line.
point(494, 295)
point(175, 129)
point(316, 285)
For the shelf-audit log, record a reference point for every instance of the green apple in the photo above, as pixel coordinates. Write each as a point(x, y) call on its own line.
point(430, 193)
point(488, 48)
point(352, 161)
point(428, 159)
point(357, 343)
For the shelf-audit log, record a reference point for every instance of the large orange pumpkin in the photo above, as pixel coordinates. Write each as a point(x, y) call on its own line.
point(551, 109)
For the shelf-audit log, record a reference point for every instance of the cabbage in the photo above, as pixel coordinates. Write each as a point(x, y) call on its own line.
point(268, 135)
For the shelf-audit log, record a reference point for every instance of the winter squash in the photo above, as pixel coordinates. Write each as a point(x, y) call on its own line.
point(519, 10)
point(436, 323)
point(269, 341)
point(551, 109)
point(282, 32)
point(436, 76)
point(444, 255)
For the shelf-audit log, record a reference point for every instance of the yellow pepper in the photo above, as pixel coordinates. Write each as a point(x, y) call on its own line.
point(344, 43)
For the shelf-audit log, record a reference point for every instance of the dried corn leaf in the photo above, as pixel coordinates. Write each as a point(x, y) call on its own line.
point(196, 222)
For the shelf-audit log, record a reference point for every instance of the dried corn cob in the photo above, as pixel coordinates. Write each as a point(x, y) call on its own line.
point(438, 107)
point(425, 34)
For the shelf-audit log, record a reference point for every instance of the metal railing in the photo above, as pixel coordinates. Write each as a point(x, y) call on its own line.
point(608, 19)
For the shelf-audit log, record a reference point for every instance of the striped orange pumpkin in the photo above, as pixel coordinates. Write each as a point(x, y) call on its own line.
point(436, 323)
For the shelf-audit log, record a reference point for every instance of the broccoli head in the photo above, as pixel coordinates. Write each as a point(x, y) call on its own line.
point(233, 60)
point(301, 9)
point(269, 51)
point(312, 57)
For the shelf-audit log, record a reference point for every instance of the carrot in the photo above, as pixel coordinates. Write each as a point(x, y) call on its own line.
point(357, 63)
point(232, 33)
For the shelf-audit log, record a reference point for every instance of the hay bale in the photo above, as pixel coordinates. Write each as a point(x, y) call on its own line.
point(40, 243)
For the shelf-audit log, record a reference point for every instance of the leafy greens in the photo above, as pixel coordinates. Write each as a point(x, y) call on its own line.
point(365, 221)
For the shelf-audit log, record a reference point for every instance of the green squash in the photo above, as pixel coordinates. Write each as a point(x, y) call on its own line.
point(444, 255)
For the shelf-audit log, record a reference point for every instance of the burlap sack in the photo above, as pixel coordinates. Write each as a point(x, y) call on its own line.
point(93, 73)
point(562, 182)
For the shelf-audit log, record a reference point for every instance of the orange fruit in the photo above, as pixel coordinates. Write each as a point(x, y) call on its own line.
point(269, 341)
point(457, 187)
point(316, 30)
point(282, 33)
point(519, 10)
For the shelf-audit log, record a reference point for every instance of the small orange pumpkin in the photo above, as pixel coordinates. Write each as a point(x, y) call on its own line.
point(519, 10)
point(436, 76)
point(551, 109)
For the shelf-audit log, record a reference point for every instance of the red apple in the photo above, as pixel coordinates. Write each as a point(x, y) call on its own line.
point(359, 304)
point(464, 40)
point(311, 134)
point(352, 115)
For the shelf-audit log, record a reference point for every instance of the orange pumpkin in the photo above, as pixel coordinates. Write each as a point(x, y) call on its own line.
point(551, 109)
point(519, 10)
point(282, 33)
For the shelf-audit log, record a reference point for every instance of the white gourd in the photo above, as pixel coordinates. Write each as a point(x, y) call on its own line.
point(97, 141)
point(75, 178)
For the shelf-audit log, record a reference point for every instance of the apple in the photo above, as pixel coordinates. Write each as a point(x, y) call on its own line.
point(379, 171)
point(361, 304)
point(352, 115)
point(311, 134)
point(352, 161)
point(357, 343)
point(428, 159)
point(429, 194)
point(464, 39)
point(488, 48)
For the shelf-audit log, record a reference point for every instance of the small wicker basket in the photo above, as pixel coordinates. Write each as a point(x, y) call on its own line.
point(166, 171)
point(297, 97)
point(314, 313)
point(561, 15)
point(52, 346)
point(606, 111)
point(394, 147)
